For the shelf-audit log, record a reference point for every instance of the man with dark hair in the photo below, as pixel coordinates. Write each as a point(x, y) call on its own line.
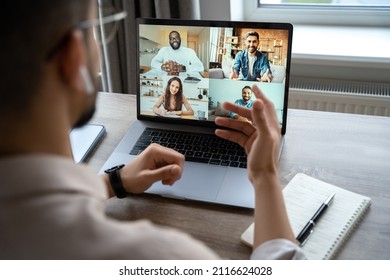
point(176, 58)
point(52, 208)
point(251, 64)
point(245, 101)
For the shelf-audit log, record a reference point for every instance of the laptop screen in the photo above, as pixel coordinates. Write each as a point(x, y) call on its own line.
point(188, 68)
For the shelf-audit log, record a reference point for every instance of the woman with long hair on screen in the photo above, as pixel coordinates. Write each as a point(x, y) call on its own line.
point(173, 100)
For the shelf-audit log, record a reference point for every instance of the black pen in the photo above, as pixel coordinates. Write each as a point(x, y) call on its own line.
point(308, 228)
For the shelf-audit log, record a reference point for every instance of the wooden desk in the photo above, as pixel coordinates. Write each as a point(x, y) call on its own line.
point(351, 151)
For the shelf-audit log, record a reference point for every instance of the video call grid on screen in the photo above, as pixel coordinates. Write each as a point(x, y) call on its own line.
point(216, 47)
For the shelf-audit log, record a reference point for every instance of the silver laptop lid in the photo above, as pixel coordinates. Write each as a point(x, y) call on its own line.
point(195, 59)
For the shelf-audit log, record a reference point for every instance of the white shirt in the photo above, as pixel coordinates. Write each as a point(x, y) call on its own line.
point(51, 208)
point(184, 56)
point(252, 60)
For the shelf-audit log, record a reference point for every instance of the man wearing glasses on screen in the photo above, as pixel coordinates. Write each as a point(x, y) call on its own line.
point(50, 207)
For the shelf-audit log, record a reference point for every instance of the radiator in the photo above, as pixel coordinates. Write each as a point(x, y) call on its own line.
point(355, 97)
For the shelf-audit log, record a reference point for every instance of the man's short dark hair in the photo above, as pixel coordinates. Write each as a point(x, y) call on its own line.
point(31, 30)
point(253, 33)
point(173, 32)
point(245, 88)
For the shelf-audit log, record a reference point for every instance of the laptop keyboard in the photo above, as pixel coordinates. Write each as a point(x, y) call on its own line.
point(196, 147)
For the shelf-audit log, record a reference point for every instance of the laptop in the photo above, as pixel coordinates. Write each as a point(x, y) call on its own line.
point(220, 179)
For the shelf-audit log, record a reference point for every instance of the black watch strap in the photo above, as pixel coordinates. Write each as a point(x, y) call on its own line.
point(116, 182)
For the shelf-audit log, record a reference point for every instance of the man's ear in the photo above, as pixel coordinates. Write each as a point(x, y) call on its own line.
point(72, 59)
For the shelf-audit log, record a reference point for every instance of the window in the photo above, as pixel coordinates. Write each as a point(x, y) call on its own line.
point(329, 42)
point(328, 3)
point(329, 12)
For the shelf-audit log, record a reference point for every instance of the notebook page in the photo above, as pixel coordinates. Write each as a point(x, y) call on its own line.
point(303, 196)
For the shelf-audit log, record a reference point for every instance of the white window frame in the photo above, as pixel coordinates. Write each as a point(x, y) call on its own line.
point(311, 24)
point(248, 10)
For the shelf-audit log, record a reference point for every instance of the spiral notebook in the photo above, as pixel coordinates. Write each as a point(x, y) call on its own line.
point(303, 195)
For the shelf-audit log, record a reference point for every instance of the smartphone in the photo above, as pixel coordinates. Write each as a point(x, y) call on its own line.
point(84, 139)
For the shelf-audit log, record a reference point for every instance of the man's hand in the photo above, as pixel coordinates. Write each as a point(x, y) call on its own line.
point(172, 68)
point(261, 142)
point(261, 137)
point(265, 78)
point(233, 74)
point(155, 163)
point(240, 118)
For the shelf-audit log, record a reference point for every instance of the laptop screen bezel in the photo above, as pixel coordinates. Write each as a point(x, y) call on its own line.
point(209, 23)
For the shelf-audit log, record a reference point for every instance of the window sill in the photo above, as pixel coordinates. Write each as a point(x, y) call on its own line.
point(368, 43)
point(358, 53)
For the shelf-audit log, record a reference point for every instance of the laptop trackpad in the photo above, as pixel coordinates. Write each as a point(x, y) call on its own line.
point(194, 185)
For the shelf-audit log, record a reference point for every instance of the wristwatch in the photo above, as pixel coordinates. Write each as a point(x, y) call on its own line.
point(116, 182)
